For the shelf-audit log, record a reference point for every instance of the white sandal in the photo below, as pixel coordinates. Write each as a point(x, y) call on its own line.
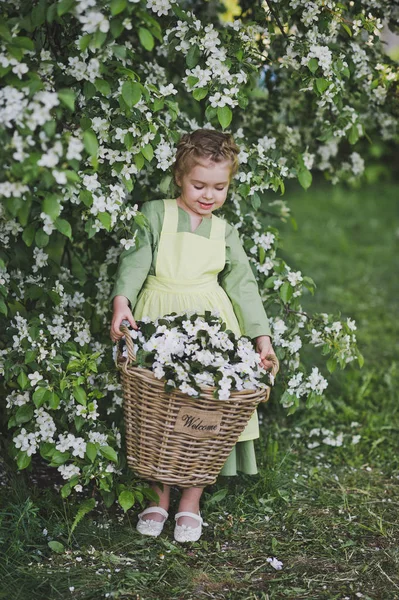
point(149, 526)
point(184, 533)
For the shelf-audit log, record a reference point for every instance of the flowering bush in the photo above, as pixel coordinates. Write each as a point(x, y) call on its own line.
point(190, 351)
point(95, 96)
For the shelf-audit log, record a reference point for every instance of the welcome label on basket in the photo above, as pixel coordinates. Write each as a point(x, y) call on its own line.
point(197, 423)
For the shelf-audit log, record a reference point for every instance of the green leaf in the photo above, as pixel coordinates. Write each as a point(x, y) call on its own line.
point(193, 56)
point(80, 395)
point(24, 414)
point(66, 490)
point(116, 29)
point(59, 458)
point(217, 496)
point(91, 451)
point(23, 42)
point(105, 219)
point(146, 38)
point(108, 498)
point(90, 142)
point(63, 227)
point(224, 116)
point(331, 365)
point(5, 32)
point(159, 103)
point(313, 65)
point(118, 6)
point(304, 177)
point(126, 499)
point(30, 356)
point(79, 422)
point(40, 396)
point(86, 197)
point(56, 546)
point(139, 161)
point(41, 238)
point(179, 12)
point(200, 93)
point(67, 98)
point(29, 234)
point(53, 400)
point(131, 92)
point(84, 508)
point(23, 380)
point(353, 134)
point(360, 359)
point(98, 39)
point(51, 206)
point(286, 291)
point(65, 6)
point(23, 460)
point(255, 201)
point(148, 152)
point(84, 42)
point(322, 84)
point(109, 453)
point(103, 86)
point(347, 29)
point(47, 450)
point(3, 307)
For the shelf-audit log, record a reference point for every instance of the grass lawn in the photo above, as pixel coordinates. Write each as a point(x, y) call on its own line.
point(326, 500)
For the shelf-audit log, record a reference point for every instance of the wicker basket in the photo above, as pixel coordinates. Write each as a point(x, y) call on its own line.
point(174, 438)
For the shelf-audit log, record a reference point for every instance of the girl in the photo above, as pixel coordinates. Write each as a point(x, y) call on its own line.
point(193, 260)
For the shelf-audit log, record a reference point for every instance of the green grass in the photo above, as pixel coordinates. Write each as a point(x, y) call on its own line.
point(329, 513)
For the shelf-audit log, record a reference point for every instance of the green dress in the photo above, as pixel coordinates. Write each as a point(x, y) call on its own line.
point(149, 281)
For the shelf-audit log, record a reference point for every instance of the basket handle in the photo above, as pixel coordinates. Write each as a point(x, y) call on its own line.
point(275, 369)
point(130, 348)
point(275, 363)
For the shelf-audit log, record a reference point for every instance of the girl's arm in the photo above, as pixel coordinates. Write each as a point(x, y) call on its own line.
point(133, 268)
point(238, 281)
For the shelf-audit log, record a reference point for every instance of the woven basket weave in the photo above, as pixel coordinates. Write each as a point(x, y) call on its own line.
point(174, 438)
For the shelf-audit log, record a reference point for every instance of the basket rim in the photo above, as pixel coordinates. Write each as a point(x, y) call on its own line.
point(143, 372)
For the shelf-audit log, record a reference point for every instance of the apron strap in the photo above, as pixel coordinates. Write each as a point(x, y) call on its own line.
point(171, 216)
point(218, 229)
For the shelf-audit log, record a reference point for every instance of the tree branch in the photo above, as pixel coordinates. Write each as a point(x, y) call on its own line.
point(276, 17)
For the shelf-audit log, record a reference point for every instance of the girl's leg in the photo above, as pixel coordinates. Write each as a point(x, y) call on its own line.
point(189, 501)
point(164, 498)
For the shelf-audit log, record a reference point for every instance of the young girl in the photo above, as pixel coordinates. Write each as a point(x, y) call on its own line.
point(193, 260)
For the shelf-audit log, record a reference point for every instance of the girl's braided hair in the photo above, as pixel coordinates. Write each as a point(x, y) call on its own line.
point(204, 143)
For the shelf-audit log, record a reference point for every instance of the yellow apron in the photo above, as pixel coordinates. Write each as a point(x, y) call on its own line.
point(185, 279)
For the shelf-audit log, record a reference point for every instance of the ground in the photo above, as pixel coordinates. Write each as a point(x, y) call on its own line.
point(325, 502)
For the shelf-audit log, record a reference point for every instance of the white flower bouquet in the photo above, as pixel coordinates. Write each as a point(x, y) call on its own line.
point(190, 350)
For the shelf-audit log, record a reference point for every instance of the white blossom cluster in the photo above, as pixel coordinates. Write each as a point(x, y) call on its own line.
point(191, 351)
point(215, 72)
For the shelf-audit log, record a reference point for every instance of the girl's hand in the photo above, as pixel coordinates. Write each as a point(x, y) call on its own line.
point(121, 312)
point(264, 346)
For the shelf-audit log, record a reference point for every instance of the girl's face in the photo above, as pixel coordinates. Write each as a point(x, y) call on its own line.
point(204, 188)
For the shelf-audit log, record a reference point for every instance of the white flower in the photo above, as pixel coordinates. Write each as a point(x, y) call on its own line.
point(316, 382)
point(351, 324)
point(68, 471)
point(26, 442)
point(94, 21)
point(294, 277)
point(35, 378)
point(275, 563)
point(161, 7)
